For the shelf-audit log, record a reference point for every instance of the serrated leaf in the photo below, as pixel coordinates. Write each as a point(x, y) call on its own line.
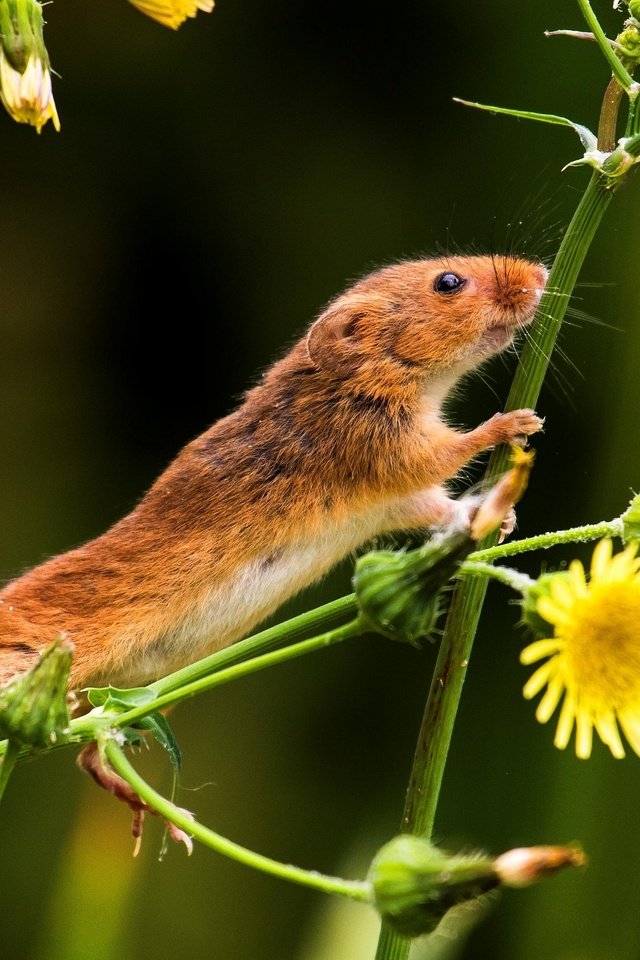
point(113, 698)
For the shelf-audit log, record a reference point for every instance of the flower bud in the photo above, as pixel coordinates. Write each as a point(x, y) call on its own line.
point(415, 884)
point(25, 78)
point(398, 593)
point(529, 603)
point(634, 9)
point(33, 707)
point(526, 865)
point(504, 495)
point(631, 519)
point(629, 39)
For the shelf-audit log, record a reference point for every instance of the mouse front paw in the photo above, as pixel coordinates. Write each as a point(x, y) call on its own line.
point(514, 426)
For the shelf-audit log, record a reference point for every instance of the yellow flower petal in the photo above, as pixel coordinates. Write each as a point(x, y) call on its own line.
point(551, 611)
point(539, 649)
point(584, 734)
point(577, 579)
point(631, 729)
point(537, 680)
point(565, 723)
point(608, 732)
point(550, 700)
point(600, 559)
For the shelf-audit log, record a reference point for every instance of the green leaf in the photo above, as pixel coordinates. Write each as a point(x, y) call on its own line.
point(112, 698)
point(158, 725)
point(588, 139)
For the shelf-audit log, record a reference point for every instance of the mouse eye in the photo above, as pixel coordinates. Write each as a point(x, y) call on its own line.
point(448, 283)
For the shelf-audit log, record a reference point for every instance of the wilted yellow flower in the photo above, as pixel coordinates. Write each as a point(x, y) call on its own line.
point(594, 653)
point(27, 96)
point(173, 13)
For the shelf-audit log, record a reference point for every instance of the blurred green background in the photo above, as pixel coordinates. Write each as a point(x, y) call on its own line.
point(209, 192)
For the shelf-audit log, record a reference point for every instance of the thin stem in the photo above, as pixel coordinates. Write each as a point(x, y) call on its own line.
point(354, 628)
point(321, 619)
point(518, 581)
point(352, 889)
point(544, 541)
point(622, 75)
point(8, 763)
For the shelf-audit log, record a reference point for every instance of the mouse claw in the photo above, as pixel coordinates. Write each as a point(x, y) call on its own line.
point(508, 525)
point(178, 835)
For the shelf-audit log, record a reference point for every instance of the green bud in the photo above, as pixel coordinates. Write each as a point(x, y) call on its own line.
point(33, 707)
point(21, 25)
point(399, 593)
point(631, 518)
point(415, 884)
point(634, 9)
point(529, 603)
point(629, 39)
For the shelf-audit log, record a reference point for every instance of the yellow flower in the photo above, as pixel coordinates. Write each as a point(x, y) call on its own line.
point(593, 657)
point(27, 96)
point(173, 13)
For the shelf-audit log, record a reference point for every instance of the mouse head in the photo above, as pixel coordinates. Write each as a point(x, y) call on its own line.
point(422, 317)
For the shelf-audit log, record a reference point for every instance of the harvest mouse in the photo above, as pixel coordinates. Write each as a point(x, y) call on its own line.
point(341, 440)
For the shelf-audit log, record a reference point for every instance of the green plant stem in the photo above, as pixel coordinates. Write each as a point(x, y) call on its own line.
point(352, 889)
point(313, 621)
point(622, 75)
point(544, 541)
point(510, 578)
point(354, 628)
point(466, 604)
point(9, 761)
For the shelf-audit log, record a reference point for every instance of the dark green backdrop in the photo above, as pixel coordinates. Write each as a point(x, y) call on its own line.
point(209, 191)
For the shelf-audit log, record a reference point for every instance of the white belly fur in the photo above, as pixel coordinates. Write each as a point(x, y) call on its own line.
point(229, 610)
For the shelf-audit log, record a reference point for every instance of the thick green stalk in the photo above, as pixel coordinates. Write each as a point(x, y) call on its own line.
point(353, 889)
point(464, 613)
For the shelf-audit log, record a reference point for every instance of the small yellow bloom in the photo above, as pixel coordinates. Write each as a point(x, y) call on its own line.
point(593, 657)
point(172, 13)
point(27, 96)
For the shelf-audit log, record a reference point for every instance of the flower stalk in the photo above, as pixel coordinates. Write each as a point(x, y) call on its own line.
point(464, 613)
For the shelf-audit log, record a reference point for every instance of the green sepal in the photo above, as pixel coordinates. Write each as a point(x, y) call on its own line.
point(21, 32)
point(631, 520)
point(529, 603)
point(112, 698)
point(33, 707)
point(415, 884)
point(398, 592)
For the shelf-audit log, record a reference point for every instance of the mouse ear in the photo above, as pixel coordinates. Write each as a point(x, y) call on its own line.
point(331, 341)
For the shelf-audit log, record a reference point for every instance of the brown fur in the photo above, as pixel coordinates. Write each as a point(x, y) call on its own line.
point(348, 421)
